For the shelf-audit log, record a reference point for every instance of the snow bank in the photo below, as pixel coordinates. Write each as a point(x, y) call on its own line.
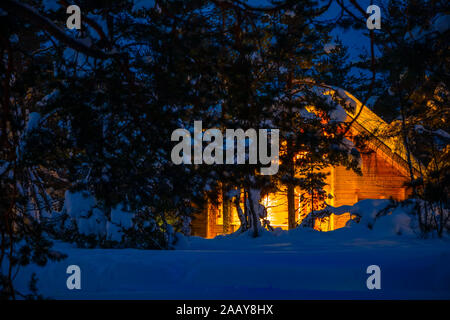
point(372, 226)
point(398, 220)
point(299, 264)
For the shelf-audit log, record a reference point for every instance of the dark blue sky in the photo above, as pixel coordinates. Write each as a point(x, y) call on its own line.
point(355, 40)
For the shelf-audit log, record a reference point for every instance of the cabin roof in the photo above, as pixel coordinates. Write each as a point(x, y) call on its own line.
point(369, 122)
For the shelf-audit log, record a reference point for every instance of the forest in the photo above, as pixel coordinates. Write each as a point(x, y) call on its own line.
point(88, 116)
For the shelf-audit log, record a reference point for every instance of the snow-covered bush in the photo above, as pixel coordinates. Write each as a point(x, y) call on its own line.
point(386, 217)
point(85, 221)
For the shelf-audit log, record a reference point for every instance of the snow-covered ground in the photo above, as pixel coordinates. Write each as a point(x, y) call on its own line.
point(300, 264)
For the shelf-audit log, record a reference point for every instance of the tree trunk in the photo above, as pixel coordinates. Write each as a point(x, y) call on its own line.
point(226, 211)
point(242, 216)
point(407, 149)
point(292, 223)
point(254, 218)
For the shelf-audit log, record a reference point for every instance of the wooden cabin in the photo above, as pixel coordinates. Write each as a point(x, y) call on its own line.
point(384, 173)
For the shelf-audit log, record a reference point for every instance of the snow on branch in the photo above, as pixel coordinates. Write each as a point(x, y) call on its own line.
point(31, 15)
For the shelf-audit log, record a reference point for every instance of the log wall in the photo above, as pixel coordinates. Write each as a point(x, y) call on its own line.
point(381, 179)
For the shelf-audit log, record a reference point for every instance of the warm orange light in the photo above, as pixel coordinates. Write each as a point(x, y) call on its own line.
point(301, 155)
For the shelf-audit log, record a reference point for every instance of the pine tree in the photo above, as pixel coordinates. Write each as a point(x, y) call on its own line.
point(411, 92)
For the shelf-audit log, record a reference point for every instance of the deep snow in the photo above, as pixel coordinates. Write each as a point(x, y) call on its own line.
point(299, 264)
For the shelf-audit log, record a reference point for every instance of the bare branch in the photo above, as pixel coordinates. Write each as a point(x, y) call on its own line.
point(26, 12)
